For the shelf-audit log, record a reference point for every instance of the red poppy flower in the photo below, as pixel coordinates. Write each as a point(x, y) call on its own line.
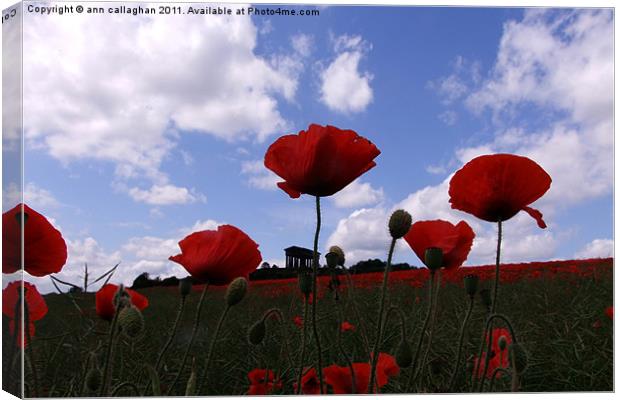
point(454, 240)
point(496, 187)
point(597, 324)
point(262, 382)
point(218, 257)
point(346, 326)
point(35, 304)
point(500, 357)
point(339, 378)
point(309, 382)
point(45, 251)
point(104, 301)
point(609, 311)
point(299, 321)
point(320, 161)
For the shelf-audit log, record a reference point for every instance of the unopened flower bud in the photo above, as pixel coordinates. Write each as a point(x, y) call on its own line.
point(305, 283)
point(131, 321)
point(338, 250)
point(400, 223)
point(257, 332)
point(433, 258)
point(404, 356)
point(93, 379)
point(236, 291)
point(471, 284)
point(332, 259)
point(502, 342)
point(185, 286)
point(518, 357)
point(485, 296)
point(121, 298)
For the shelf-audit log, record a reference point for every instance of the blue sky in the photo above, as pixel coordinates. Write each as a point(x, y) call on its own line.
point(148, 128)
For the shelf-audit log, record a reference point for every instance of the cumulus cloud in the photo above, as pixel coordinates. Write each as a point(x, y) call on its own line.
point(160, 195)
point(303, 44)
point(597, 248)
point(35, 196)
point(344, 88)
point(258, 176)
point(126, 89)
point(358, 194)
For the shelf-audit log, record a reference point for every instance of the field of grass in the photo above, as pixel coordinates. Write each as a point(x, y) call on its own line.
point(557, 310)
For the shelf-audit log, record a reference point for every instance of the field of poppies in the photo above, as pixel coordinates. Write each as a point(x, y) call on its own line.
point(441, 328)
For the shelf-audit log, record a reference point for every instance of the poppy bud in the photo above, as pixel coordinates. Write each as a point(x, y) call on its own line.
point(518, 357)
point(338, 250)
point(93, 379)
point(502, 342)
point(257, 332)
point(433, 258)
point(305, 284)
point(471, 284)
point(332, 259)
point(400, 223)
point(404, 356)
point(236, 291)
point(131, 321)
point(121, 298)
point(485, 296)
point(185, 286)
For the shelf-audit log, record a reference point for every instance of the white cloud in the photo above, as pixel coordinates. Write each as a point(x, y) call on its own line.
point(597, 248)
point(200, 225)
point(165, 195)
point(36, 197)
point(436, 169)
point(259, 176)
point(448, 117)
point(122, 89)
point(343, 87)
point(303, 44)
point(358, 194)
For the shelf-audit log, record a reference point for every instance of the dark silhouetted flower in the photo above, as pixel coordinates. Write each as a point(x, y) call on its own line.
point(45, 250)
point(339, 378)
point(218, 257)
point(454, 240)
point(346, 326)
point(262, 382)
point(35, 305)
point(104, 301)
point(320, 161)
point(309, 382)
point(499, 357)
point(496, 187)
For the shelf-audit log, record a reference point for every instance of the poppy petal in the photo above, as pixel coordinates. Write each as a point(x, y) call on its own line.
point(537, 215)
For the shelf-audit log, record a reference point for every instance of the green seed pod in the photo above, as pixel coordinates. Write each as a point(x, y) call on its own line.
point(121, 298)
point(502, 342)
point(404, 356)
point(185, 286)
point(131, 321)
point(338, 250)
point(236, 291)
point(332, 259)
point(400, 223)
point(257, 332)
point(433, 258)
point(93, 379)
point(471, 284)
point(485, 297)
point(518, 357)
point(305, 283)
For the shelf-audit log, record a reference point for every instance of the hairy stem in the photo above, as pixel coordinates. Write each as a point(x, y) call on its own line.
point(460, 348)
point(108, 354)
point(174, 331)
point(303, 346)
point(315, 267)
point(212, 347)
point(432, 325)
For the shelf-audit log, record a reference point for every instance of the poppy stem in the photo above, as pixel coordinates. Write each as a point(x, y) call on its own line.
point(379, 333)
point(315, 267)
point(460, 348)
point(360, 320)
point(497, 260)
point(490, 342)
point(15, 348)
point(29, 350)
point(341, 348)
point(495, 373)
point(174, 331)
point(108, 354)
point(432, 325)
point(218, 327)
point(191, 340)
point(414, 365)
point(303, 345)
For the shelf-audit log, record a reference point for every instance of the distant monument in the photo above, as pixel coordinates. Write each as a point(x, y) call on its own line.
point(298, 257)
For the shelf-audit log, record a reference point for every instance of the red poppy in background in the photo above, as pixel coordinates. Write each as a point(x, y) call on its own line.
point(500, 357)
point(609, 311)
point(339, 378)
point(262, 382)
point(218, 257)
point(45, 250)
point(454, 240)
point(320, 161)
point(299, 321)
point(104, 301)
point(496, 187)
point(347, 326)
point(310, 383)
point(35, 305)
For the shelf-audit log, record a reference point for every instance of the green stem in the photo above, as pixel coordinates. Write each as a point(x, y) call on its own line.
point(414, 365)
point(28, 346)
point(108, 354)
point(497, 260)
point(303, 346)
point(379, 333)
point(315, 267)
point(174, 331)
point(191, 340)
point(212, 347)
point(497, 371)
point(489, 332)
point(460, 348)
point(432, 326)
point(341, 348)
point(360, 320)
point(120, 386)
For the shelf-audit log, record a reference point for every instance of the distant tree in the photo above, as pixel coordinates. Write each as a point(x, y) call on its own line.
point(142, 281)
point(274, 266)
point(265, 265)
